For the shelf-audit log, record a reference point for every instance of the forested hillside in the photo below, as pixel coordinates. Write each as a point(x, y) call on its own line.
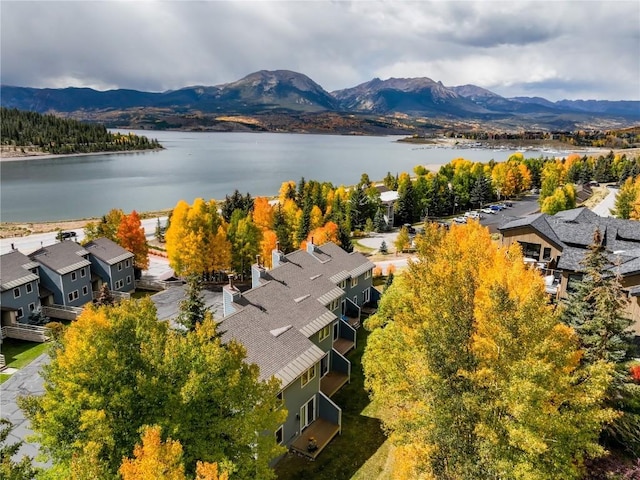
point(46, 133)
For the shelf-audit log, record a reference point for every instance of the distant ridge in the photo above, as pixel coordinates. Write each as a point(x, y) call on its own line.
point(285, 92)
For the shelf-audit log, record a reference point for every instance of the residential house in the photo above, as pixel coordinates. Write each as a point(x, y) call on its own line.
point(65, 274)
point(558, 243)
point(294, 324)
point(110, 264)
point(20, 295)
point(388, 199)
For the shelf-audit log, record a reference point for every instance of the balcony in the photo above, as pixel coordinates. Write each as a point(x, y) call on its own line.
point(322, 430)
point(61, 312)
point(30, 333)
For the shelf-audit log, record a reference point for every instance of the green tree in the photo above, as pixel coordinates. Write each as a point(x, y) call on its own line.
point(192, 307)
point(380, 224)
point(245, 237)
point(10, 469)
point(383, 248)
point(563, 198)
point(473, 375)
point(595, 310)
point(119, 368)
point(107, 227)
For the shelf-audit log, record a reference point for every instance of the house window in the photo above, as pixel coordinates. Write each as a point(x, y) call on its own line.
point(531, 250)
point(126, 263)
point(83, 272)
point(354, 282)
point(119, 284)
point(85, 290)
point(334, 304)
point(73, 276)
point(29, 288)
point(546, 253)
point(367, 274)
point(355, 299)
point(279, 435)
point(16, 292)
point(73, 295)
point(279, 399)
point(32, 307)
point(20, 313)
point(324, 333)
point(343, 284)
point(308, 375)
point(336, 331)
point(119, 266)
point(365, 296)
point(128, 279)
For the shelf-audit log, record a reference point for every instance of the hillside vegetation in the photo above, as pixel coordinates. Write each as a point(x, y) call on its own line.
point(49, 134)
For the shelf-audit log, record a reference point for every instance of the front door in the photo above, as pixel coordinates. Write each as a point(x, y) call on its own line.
point(324, 365)
point(308, 413)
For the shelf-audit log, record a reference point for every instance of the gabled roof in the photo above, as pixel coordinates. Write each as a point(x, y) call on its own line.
point(572, 231)
point(275, 320)
point(15, 270)
point(62, 258)
point(107, 250)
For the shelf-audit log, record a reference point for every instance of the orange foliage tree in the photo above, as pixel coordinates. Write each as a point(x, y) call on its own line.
point(131, 236)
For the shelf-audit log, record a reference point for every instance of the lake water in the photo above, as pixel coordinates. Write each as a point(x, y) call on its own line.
point(208, 165)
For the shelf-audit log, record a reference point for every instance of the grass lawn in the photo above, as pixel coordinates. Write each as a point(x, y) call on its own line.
point(142, 293)
point(361, 436)
point(4, 377)
point(20, 353)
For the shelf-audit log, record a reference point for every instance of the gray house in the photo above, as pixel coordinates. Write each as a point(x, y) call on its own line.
point(18, 287)
point(65, 273)
point(110, 264)
point(292, 324)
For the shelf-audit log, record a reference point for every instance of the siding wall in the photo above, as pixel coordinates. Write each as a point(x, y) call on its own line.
point(526, 234)
point(23, 301)
point(294, 396)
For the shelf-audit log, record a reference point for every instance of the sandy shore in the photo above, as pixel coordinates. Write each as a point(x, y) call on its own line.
point(47, 156)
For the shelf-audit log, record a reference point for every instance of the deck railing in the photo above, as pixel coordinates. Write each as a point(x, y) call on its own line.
point(31, 333)
point(62, 312)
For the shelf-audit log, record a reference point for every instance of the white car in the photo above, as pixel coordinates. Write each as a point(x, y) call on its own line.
point(487, 210)
point(460, 220)
point(475, 215)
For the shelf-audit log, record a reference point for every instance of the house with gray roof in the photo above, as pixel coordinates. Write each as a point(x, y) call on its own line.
point(560, 242)
point(110, 264)
point(20, 294)
point(294, 327)
point(65, 272)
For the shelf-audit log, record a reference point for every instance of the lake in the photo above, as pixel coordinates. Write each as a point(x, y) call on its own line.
point(208, 165)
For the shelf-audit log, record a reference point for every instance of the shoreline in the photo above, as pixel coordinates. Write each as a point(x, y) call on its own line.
point(49, 156)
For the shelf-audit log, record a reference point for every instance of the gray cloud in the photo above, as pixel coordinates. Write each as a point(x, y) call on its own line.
point(566, 49)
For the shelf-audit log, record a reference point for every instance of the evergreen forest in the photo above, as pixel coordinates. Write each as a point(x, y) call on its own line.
point(30, 131)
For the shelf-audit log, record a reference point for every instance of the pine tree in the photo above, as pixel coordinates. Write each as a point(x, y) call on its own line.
point(383, 248)
point(105, 297)
point(379, 222)
point(594, 309)
point(192, 308)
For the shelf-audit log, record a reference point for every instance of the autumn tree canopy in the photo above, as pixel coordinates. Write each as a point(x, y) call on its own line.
point(473, 374)
point(130, 235)
point(118, 368)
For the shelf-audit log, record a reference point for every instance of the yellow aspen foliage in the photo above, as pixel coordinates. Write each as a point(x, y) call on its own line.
point(316, 218)
point(287, 191)
point(210, 471)
point(473, 375)
point(154, 459)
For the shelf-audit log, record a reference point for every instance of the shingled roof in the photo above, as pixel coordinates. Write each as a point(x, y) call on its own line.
point(275, 320)
point(15, 270)
point(62, 258)
point(572, 232)
point(107, 250)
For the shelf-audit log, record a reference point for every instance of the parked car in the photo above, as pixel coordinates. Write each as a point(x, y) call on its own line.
point(487, 210)
point(460, 220)
point(67, 235)
point(508, 204)
point(496, 208)
point(473, 214)
point(409, 228)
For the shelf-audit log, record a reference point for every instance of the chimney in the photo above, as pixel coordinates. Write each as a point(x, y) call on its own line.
point(277, 257)
point(257, 272)
point(310, 246)
point(230, 294)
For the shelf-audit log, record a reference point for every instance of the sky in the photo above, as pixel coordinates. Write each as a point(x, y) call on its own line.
point(555, 50)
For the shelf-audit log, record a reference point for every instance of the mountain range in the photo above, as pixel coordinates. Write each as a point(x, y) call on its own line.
point(271, 100)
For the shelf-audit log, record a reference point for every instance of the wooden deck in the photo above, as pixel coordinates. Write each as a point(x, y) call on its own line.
point(342, 345)
point(322, 431)
point(332, 382)
point(354, 322)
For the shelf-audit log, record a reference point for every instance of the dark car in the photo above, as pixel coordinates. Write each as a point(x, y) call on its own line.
point(409, 228)
point(66, 235)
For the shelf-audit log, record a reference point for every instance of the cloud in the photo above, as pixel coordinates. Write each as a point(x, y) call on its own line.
point(586, 48)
